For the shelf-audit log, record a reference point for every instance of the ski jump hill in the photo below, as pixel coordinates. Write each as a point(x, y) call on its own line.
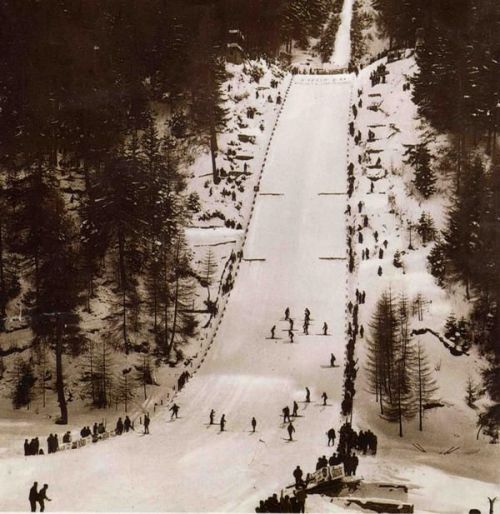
point(293, 256)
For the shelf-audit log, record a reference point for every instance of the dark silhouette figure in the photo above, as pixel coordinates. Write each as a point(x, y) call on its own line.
point(325, 329)
point(297, 474)
point(295, 412)
point(291, 336)
point(212, 415)
point(290, 430)
point(254, 424)
point(331, 436)
point(175, 411)
point(332, 360)
point(119, 427)
point(42, 496)
point(290, 320)
point(325, 397)
point(287, 313)
point(33, 496)
point(222, 422)
point(286, 414)
point(272, 331)
point(308, 395)
point(146, 423)
point(127, 424)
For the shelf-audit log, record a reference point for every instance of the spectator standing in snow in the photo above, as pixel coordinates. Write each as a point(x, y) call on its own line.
point(331, 436)
point(308, 395)
point(332, 360)
point(290, 320)
point(295, 412)
point(42, 496)
point(379, 272)
point(273, 329)
point(127, 424)
point(325, 397)
point(306, 327)
point(325, 328)
point(146, 423)
point(119, 427)
point(212, 415)
point(297, 474)
point(290, 335)
point(287, 313)
point(254, 424)
point(290, 430)
point(175, 411)
point(222, 422)
point(286, 414)
point(33, 496)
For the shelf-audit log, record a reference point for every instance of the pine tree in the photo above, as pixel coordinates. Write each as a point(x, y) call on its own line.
point(22, 380)
point(425, 228)
point(470, 393)
point(419, 157)
point(437, 262)
point(208, 271)
point(426, 385)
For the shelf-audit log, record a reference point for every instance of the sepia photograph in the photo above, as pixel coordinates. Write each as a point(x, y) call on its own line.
point(250, 256)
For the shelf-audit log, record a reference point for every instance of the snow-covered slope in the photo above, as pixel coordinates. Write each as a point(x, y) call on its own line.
point(186, 464)
point(342, 50)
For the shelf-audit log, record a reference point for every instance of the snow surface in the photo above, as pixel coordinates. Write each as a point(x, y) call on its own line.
point(187, 465)
point(342, 49)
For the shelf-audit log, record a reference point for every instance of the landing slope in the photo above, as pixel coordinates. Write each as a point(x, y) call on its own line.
point(187, 465)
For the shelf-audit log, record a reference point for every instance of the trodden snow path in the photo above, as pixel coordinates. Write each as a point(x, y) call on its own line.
point(187, 465)
point(342, 49)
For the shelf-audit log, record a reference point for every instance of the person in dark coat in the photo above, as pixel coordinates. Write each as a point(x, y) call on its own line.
point(308, 395)
point(273, 329)
point(297, 474)
point(127, 424)
point(331, 436)
point(287, 313)
point(42, 496)
point(147, 421)
point(325, 329)
point(27, 448)
point(295, 412)
point(254, 424)
point(325, 397)
point(119, 427)
point(291, 336)
point(211, 416)
point(291, 430)
point(50, 444)
point(95, 429)
point(332, 360)
point(33, 496)
point(222, 422)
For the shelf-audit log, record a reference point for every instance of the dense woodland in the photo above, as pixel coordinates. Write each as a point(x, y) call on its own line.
point(92, 188)
point(457, 89)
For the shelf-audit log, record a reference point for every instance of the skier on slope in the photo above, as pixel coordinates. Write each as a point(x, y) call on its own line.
point(287, 313)
point(290, 320)
point(254, 424)
point(222, 422)
point(307, 313)
point(308, 395)
point(325, 329)
point(332, 360)
point(290, 335)
point(325, 397)
point(305, 327)
point(290, 430)
point(273, 329)
point(174, 410)
point(212, 415)
point(286, 414)
point(146, 423)
point(295, 411)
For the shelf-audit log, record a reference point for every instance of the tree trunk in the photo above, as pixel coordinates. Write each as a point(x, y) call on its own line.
point(174, 322)
point(63, 420)
point(123, 284)
point(3, 292)
point(213, 152)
